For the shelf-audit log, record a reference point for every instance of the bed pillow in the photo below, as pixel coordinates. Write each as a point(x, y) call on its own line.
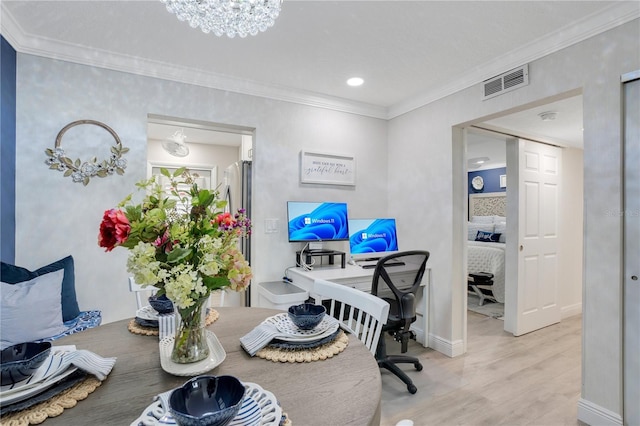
point(473, 228)
point(482, 219)
point(501, 228)
point(489, 237)
point(499, 219)
point(12, 274)
point(31, 310)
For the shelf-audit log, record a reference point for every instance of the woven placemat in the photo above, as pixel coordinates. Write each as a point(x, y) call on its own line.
point(136, 328)
point(52, 407)
point(306, 355)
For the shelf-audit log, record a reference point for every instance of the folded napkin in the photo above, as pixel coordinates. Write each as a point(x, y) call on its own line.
point(259, 337)
point(61, 358)
point(89, 362)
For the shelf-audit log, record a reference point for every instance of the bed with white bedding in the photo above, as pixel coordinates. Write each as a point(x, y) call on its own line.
point(488, 223)
point(488, 257)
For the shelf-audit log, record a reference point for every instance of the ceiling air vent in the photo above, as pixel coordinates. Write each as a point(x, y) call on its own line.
point(506, 82)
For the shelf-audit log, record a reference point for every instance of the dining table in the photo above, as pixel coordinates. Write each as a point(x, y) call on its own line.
point(344, 389)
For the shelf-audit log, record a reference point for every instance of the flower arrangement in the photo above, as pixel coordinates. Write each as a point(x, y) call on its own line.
point(184, 244)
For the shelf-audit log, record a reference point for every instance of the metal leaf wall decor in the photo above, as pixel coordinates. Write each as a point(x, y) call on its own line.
point(83, 171)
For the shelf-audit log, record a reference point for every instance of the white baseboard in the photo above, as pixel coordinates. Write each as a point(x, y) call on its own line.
point(594, 415)
point(446, 347)
point(571, 310)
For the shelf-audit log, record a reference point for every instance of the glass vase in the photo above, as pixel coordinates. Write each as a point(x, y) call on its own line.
point(190, 344)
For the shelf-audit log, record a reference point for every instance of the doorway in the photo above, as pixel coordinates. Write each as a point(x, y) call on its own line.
point(532, 122)
point(214, 152)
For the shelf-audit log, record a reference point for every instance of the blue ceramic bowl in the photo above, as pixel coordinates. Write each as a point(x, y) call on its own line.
point(162, 304)
point(19, 362)
point(207, 400)
point(307, 316)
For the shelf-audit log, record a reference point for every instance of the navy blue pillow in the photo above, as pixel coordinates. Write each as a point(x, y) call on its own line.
point(12, 274)
point(488, 237)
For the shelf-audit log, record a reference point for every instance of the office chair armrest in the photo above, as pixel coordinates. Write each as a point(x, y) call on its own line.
point(407, 306)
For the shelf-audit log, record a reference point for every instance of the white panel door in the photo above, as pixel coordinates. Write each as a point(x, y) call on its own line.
point(539, 196)
point(632, 251)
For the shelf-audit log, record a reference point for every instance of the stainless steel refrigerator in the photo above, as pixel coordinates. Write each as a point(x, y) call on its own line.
point(237, 193)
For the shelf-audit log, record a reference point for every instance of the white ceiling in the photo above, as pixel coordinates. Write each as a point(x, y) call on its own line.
point(408, 52)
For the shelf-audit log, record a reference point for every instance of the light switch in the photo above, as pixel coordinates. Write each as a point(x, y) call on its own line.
point(270, 226)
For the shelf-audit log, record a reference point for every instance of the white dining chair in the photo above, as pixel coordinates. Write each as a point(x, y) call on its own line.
point(138, 290)
point(360, 313)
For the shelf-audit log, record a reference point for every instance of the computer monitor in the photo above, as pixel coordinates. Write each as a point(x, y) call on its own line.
point(372, 238)
point(317, 221)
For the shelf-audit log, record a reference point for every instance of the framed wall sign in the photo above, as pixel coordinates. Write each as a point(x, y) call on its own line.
point(328, 169)
point(503, 181)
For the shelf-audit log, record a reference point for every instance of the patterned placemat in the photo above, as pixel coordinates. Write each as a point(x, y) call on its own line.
point(305, 355)
point(136, 328)
point(53, 407)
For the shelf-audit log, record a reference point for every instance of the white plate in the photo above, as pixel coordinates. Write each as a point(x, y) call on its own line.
point(148, 313)
point(259, 408)
point(44, 377)
point(285, 325)
point(215, 358)
point(333, 326)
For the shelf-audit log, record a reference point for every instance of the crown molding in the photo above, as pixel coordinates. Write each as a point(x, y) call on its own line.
point(22, 42)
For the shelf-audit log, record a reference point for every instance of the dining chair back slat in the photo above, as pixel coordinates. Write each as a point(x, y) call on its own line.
point(359, 313)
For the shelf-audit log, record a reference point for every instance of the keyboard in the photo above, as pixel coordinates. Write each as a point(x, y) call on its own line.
point(373, 265)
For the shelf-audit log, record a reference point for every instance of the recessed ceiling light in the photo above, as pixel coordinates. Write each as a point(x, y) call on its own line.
point(355, 81)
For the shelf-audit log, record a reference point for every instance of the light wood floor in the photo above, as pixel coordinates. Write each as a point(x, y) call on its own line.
point(502, 380)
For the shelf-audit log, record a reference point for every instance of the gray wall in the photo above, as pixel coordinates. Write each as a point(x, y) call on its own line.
point(420, 150)
point(56, 217)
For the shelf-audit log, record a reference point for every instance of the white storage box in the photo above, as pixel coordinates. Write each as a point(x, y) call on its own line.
point(280, 295)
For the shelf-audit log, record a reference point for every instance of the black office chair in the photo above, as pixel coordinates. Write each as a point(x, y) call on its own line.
point(396, 279)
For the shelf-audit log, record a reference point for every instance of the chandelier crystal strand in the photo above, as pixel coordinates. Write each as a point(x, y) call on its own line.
point(230, 17)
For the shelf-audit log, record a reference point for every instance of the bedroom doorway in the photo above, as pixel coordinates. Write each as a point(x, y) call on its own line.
point(570, 216)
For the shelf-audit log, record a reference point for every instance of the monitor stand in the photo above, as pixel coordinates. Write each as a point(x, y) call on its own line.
point(308, 254)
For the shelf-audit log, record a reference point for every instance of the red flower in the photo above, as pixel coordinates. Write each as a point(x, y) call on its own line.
point(225, 220)
point(114, 229)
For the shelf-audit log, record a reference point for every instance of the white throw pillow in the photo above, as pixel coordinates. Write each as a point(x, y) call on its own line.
point(31, 310)
point(499, 219)
point(482, 219)
point(473, 229)
point(501, 228)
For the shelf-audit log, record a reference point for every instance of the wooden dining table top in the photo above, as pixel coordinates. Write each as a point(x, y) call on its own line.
point(342, 390)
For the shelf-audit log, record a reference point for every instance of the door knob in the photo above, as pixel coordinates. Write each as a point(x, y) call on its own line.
point(521, 247)
point(634, 277)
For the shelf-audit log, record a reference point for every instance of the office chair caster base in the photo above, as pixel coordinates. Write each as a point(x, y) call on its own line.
point(418, 366)
point(412, 389)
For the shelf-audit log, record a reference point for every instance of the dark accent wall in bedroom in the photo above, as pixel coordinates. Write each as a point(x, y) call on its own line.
point(491, 179)
point(8, 152)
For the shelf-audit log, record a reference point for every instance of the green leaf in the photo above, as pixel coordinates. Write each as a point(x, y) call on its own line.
point(68, 173)
point(67, 162)
point(85, 181)
point(178, 254)
point(165, 172)
point(77, 164)
point(214, 283)
point(49, 152)
point(124, 151)
point(179, 172)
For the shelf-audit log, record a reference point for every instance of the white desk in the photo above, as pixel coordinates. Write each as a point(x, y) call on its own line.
point(360, 278)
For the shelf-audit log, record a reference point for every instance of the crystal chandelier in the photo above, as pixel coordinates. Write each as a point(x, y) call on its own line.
point(230, 17)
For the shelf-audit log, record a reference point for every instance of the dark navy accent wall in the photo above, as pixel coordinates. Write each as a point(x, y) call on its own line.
point(7, 152)
point(491, 180)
